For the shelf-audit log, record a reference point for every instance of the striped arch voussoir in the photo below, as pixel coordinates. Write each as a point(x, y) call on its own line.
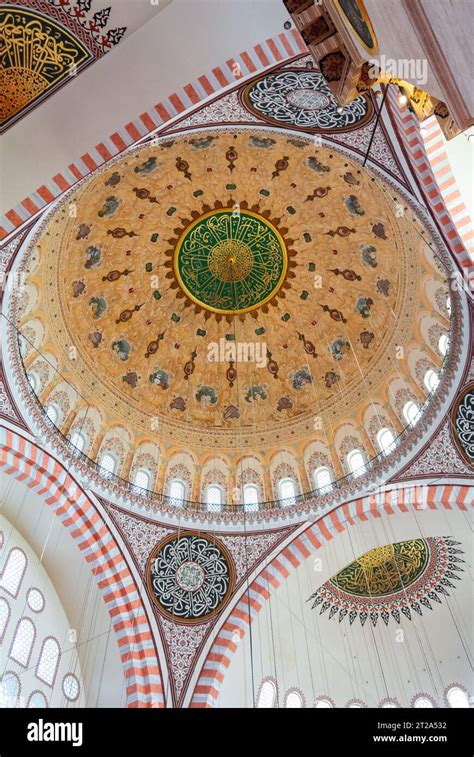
point(314, 537)
point(48, 478)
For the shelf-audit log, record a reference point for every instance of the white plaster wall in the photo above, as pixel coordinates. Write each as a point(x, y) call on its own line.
point(76, 588)
point(187, 39)
point(300, 648)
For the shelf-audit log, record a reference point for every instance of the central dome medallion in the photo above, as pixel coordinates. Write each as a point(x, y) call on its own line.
point(230, 260)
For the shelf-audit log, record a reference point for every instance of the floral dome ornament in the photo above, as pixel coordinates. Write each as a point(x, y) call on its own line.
point(395, 578)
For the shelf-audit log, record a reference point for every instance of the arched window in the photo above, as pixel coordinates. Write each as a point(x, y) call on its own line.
point(177, 491)
point(52, 413)
point(250, 498)
point(108, 462)
point(423, 702)
point(389, 704)
point(443, 344)
point(293, 699)
point(287, 491)
point(267, 695)
point(70, 687)
point(142, 478)
point(322, 702)
point(23, 642)
point(322, 479)
point(431, 380)
point(385, 440)
point(4, 616)
point(410, 412)
point(13, 572)
point(48, 661)
point(355, 461)
point(214, 498)
point(78, 441)
point(9, 690)
point(37, 699)
point(457, 697)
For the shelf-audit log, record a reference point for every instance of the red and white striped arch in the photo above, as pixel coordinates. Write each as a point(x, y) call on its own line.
point(43, 474)
point(408, 128)
point(274, 50)
point(312, 538)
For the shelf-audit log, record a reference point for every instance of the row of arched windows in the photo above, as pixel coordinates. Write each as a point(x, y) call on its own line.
point(24, 637)
point(456, 697)
point(286, 487)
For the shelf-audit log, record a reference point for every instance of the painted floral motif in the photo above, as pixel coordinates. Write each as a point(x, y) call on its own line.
point(379, 230)
point(316, 165)
point(98, 306)
point(301, 378)
point(122, 348)
point(159, 377)
point(353, 206)
point(206, 395)
point(93, 255)
point(264, 142)
point(147, 166)
point(363, 306)
point(339, 348)
point(255, 393)
point(383, 287)
point(109, 207)
point(369, 258)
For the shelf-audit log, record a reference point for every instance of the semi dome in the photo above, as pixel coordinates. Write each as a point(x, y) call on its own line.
point(234, 306)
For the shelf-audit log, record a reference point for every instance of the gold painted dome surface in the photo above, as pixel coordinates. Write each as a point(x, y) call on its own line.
point(226, 288)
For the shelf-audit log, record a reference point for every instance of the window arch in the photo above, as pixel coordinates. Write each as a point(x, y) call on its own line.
point(108, 462)
point(4, 616)
point(356, 463)
point(37, 699)
point(78, 441)
point(457, 697)
point(389, 703)
point(177, 491)
point(250, 498)
point(48, 661)
point(410, 412)
point(52, 413)
point(287, 491)
point(423, 701)
point(9, 690)
point(267, 695)
point(324, 702)
point(293, 699)
point(142, 478)
point(14, 570)
point(443, 344)
point(385, 440)
point(431, 380)
point(322, 478)
point(214, 498)
point(23, 641)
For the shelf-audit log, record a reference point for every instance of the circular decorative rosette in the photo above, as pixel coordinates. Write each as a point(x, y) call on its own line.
point(302, 100)
point(230, 261)
point(392, 579)
point(463, 422)
point(190, 577)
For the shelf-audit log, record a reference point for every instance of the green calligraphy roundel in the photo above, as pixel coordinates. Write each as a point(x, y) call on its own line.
point(230, 261)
